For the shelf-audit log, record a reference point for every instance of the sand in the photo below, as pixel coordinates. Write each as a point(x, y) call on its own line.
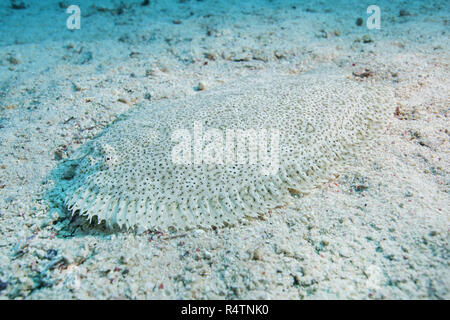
point(377, 231)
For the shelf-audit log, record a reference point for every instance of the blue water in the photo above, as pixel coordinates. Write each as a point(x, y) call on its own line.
point(45, 20)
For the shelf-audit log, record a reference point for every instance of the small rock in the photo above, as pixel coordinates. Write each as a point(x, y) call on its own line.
point(198, 232)
point(279, 55)
point(76, 87)
point(207, 255)
point(63, 5)
point(13, 60)
point(18, 5)
point(404, 13)
point(210, 56)
point(240, 56)
point(367, 38)
point(177, 22)
point(124, 38)
point(297, 280)
point(363, 73)
point(3, 285)
point(257, 255)
point(59, 154)
point(201, 86)
point(359, 22)
point(323, 34)
point(345, 252)
point(134, 54)
point(67, 258)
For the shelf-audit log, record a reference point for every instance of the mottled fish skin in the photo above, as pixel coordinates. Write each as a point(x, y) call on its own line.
point(126, 175)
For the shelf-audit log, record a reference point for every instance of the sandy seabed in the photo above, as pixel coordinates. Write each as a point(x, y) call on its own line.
point(378, 231)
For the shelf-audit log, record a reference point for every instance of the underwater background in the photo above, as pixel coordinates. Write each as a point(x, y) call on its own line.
point(70, 68)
